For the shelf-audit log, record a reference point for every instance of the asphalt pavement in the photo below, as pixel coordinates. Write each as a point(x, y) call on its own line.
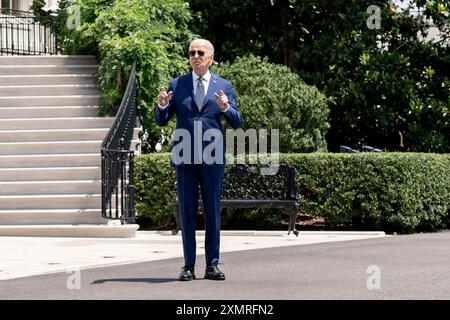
point(405, 267)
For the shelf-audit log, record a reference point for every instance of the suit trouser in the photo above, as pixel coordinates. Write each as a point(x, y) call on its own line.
point(210, 180)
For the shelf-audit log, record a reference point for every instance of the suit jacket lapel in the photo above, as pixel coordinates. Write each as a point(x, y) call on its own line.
point(211, 89)
point(189, 84)
point(190, 88)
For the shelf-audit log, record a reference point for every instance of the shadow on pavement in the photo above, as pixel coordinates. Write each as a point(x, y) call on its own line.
point(148, 280)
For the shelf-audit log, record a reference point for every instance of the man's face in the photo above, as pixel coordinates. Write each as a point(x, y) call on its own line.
point(200, 57)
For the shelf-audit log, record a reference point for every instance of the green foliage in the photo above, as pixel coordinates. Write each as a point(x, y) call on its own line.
point(401, 192)
point(392, 192)
point(272, 97)
point(36, 8)
point(393, 95)
point(154, 188)
point(391, 88)
point(50, 20)
point(75, 24)
point(153, 33)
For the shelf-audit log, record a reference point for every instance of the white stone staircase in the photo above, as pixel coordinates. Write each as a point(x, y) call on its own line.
point(50, 139)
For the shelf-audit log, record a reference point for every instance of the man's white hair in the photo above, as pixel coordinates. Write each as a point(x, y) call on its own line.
point(205, 42)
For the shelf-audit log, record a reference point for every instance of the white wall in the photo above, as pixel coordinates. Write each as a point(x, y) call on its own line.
point(19, 38)
point(24, 5)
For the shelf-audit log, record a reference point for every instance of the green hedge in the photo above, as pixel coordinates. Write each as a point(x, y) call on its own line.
point(154, 187)
point(394, 192)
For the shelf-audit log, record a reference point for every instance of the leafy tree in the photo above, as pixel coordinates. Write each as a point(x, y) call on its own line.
point(153, 33)
point(74, 22)
point(390, 86)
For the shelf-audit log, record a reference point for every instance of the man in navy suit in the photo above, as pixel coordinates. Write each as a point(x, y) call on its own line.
point(199, 100)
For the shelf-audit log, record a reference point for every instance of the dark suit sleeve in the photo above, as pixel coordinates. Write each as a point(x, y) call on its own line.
point(232, 115)
point(163, 116)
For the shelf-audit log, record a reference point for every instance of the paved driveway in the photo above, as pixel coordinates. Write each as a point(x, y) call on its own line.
point(400, 267)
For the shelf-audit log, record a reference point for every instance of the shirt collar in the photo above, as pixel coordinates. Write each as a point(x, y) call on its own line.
point(206, 76)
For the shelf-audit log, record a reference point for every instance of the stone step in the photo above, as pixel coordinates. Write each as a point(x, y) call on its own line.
point(50, 160)
point(50, 173)
point(50, 141)
point(51, 201)
point(48, 90)
point(49, 101)
point(90, 69)
point(50, 187)
point(48, 60)
point(85, 134)
point(46, 79)
point(56, 123)
point(42, 135)
point(49, 147)
point(81, 230)
point(48, 112)
point(52, 216)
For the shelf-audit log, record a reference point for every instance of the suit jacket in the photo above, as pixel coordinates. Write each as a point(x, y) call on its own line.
point(195, 122)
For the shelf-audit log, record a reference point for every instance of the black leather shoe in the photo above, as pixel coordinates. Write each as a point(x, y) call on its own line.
point(187, 274)
point(213, 273)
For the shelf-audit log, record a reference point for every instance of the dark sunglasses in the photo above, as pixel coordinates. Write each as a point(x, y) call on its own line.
point(199, 52)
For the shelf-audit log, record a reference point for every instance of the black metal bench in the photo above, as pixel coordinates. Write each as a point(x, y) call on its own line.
point(267, 191)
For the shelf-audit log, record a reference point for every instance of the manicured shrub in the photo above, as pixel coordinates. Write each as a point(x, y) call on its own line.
point(154, 185)
point(394, 192)
point(271, 96)
point(402, 192)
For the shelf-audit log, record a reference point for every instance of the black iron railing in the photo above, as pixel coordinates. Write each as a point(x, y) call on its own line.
point(22, 33)
point(118, 159)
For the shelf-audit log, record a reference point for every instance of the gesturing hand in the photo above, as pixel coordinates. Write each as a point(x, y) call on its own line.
point(164, 96)
point(222, 100)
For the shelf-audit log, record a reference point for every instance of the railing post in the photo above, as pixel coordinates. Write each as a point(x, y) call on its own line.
point(103, 182)
point(130, 211)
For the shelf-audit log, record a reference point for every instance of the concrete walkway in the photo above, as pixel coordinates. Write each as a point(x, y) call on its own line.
point(29, 256)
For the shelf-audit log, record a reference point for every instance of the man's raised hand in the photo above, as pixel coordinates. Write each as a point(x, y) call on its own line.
point(164, 97)
point(222, 100)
